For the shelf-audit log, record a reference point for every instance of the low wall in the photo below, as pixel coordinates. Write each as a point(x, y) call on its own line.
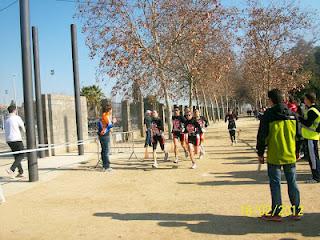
point(60, 121)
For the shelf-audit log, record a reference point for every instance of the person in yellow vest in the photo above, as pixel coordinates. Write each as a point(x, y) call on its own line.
point(310, 132)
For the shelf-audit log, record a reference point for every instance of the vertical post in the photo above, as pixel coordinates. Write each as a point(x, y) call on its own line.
point(37, 81)
point(223, 109)
point(125, 116)
point(15, 91)
point(76, 86)
point(141, 116)
point(27, 88)
point(162, 114)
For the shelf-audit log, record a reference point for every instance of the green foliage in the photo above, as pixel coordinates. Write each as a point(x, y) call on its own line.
point(312, 65)
point(94, 97)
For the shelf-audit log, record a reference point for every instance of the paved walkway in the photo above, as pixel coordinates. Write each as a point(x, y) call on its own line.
point(138, 202)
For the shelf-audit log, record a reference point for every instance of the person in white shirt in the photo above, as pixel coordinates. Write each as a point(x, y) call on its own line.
point(12, 127)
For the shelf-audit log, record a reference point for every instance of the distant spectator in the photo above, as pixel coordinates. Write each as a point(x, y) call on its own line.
point(104, 129)
point(292, 105)
point(147, 125)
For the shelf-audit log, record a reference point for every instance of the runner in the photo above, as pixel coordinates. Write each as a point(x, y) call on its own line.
point(147, 126)
point(157, 135)
point(232, 127)
point(178, 132)
point(12, 127)
point(203, 122)
point(186, 110)
point(193, 130)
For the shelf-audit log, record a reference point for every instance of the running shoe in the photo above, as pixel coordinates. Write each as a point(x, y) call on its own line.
point(10, 173)
point(194, 166)
point(296, 217)
point(272, 218)
point(176, 160)
point(20, 175)
point(311, 181)
point(155, 165)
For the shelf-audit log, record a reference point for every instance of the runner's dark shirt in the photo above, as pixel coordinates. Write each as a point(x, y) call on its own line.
point(178, 123)
point(157, 126)
point(192, 127)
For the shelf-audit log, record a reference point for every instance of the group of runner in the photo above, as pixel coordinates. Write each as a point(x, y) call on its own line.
point(188, 129)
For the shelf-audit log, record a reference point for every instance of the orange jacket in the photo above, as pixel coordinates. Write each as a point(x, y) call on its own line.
point(105, 119)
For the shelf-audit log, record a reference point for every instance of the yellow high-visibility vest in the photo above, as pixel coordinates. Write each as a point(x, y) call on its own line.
point(310, 132)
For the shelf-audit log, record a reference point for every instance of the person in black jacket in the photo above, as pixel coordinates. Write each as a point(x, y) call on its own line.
point(278, 131)
point(193, 130)
point(232, 127)
point(157, 136)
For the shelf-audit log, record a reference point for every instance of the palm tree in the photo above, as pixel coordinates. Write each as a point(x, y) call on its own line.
point(94, 96)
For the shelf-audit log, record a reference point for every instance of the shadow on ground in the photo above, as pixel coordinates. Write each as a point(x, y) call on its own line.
point(245, 178)
point(223, 225)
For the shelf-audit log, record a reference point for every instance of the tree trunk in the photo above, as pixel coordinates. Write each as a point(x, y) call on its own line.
point(141, 116)
point(197, 96)
point(227, 99)
point(190, 91)
point(222, 106)
point(168, 106)
point(213, 112)
point(205, 105)
point(169, 114)
point(218, 109)
point(260, 102)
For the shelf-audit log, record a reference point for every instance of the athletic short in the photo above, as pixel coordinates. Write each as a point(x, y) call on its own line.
point(194, 140)
point(158, 139)
point(178, 135)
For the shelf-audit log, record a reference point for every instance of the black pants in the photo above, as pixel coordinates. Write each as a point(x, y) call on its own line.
point(232, 135)
point(311, 153)
point(15, 147)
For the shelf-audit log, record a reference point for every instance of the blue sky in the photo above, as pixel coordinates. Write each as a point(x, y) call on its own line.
point(53, 19)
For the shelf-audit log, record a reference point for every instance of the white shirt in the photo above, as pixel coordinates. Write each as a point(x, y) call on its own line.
point(12, 127)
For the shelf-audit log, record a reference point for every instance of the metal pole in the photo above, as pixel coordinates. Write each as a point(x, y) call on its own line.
point(37, 82)
point(76, 86)
point(27, 88)
point(14, 91)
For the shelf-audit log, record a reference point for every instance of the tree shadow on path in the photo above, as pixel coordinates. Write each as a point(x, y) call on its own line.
point(222, 224)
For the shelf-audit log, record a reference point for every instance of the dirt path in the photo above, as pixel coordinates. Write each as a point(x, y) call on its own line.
point(137, 202)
